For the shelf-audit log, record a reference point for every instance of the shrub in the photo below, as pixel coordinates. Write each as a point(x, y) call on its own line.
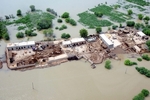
point(32, 7)
point(98, 14)
point(120, 26)
point(129, 63)
point(19, 13)
point(83, 33)
point(145, 92)
point(48, 33)
point(6, 36)
point(137, 26)
point(144, 71)
point(65, 36)
point(59, 20)
point(98, 29)
point(108, 64)
point(67, 20)
point(139, 59)
point(130, 23)
point(146, 31)
point(21, 27)
point(148, 43)
point(65, 15)
point(114, 27)
point(145, 57)
point(64, 26)
point(72, 22)
point(20, 35)
point(140, 16)
point(56, 28)
point(130, 12)
point(44, 24)
point(146, 18)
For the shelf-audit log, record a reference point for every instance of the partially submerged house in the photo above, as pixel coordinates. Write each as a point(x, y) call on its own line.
point(106, 41)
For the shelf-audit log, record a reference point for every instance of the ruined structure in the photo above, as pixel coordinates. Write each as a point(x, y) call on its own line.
point(94, 49)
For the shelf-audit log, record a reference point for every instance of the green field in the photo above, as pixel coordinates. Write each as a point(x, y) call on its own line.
point(134, 6)
point(139, 2)
point(112, 14)
point(92, 21)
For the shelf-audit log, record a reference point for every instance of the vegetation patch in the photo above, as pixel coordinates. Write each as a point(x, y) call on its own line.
point(141, 96)
point(3, 31)
point(139, 2)
point(20, 35)
point(143, 71)
point(108, 64)
point(139, 59)
point(21, 28)
point(146, 57)
point(113, 15)
point(134, 6)
point(129, 63)
point(65, 36)
point(30, 33)
point(63, 27)
point(91, 20)
point(37, 19)
point(83, 33)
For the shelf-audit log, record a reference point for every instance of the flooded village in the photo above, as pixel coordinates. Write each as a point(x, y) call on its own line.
point(94, 49)
point(37, 63)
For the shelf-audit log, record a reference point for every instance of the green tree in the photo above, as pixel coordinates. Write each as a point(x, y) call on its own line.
point(140, 16)
point(98, 14)
point(59, 20)
point(65, 36)
point(148, 44)
point(67, 20)
point(114, 27)
point(108, 64)
point(130, 12)
point(32, 7)
point(44, 24)
point(137, 26)
point(20, 35)
point(48, 33)
point(83, 33)
point(146, 31)
point(146, 18)
point(48, 10)
point(145, 92)
point(19, 13)
point(6, 36)
point(130, 23)
point(65, 15)
point(72, 22)
point(145, 57)
point(98, 29)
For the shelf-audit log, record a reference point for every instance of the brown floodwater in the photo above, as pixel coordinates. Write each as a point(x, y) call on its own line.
point(74, 80)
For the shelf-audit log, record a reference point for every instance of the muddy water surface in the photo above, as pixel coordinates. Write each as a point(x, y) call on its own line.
point(74, 80)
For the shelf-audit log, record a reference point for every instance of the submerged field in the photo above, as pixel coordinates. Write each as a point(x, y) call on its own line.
point(92, 21)
point(89, 19)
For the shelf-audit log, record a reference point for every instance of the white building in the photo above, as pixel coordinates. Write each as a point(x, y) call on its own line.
point(141, 34)
point(106, 41)
point(20, 45)
point(73, 41)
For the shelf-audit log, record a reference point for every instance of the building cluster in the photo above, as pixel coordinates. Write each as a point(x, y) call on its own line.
point(94, 48)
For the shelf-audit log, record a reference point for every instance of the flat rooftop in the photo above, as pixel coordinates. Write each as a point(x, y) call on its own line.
point(19, 44)
point(104, 37)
